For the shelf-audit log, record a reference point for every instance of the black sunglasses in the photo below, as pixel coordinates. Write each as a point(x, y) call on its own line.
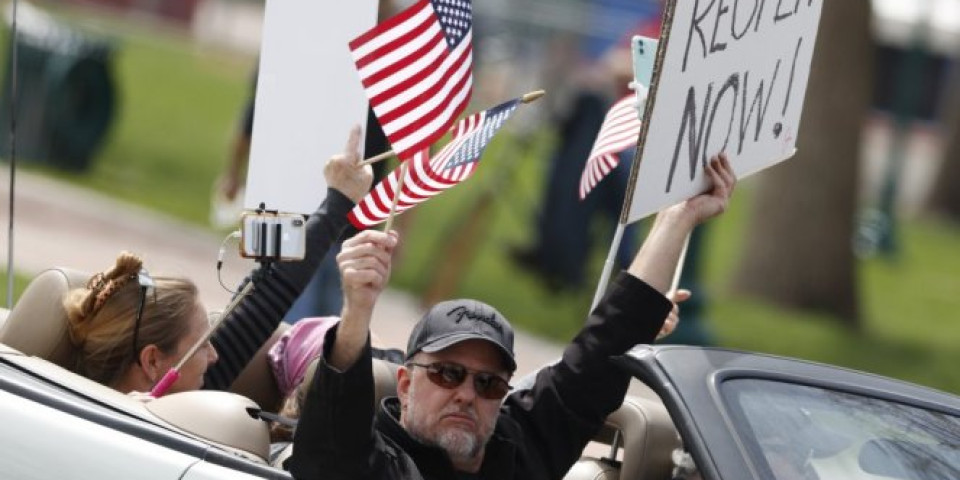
point(451, 375)
point(146, 282)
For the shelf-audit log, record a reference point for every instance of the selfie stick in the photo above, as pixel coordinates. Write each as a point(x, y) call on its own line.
point(173, 374)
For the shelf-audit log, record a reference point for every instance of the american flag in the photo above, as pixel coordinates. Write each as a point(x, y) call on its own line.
point(416, 69)
point(619, 131)
point(426, 177)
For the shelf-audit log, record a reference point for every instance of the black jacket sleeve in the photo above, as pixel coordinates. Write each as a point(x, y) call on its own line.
point(584, 387)
point(335, 438)
point(256, 317)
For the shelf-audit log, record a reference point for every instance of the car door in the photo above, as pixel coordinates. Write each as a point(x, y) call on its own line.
point(753, 416)
point(50, 432)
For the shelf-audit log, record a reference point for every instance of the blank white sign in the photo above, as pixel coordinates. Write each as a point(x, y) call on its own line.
point(308, 97)
point(733, 78)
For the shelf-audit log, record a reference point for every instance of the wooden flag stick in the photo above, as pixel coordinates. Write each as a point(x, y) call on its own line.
point(526, 98)
point(377, 158)
point(396, 197)
point(532, 96)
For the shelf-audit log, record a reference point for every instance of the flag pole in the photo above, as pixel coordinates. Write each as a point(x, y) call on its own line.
point(608, 265)
point(526, 98)
point(532, 96)
point(396, 196)
point(676, 274)
point(667, 22)
point(377, 158)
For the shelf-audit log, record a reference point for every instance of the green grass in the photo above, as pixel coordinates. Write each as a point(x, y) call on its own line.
point(181, 106)
point(19, 284)
point(177, 111)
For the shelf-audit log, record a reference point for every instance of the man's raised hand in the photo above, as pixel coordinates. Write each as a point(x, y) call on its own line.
point(364, 263)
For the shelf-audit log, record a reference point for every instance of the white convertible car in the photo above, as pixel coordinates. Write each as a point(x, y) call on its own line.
point(709, 413)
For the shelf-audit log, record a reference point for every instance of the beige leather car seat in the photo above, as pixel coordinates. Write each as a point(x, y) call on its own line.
point(647, 435)
point(37, 324)
point(257, 381)
point(384, 385)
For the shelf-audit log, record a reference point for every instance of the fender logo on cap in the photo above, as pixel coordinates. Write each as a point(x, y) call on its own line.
point(461, 312)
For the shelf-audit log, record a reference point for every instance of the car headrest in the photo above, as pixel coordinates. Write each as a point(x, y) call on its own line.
point(221, 417)
point(257, 380)
point(647, 435)
point(649, 438)
point(384, 379)
point(37, 324)
point(588, 468)
point(384, 385)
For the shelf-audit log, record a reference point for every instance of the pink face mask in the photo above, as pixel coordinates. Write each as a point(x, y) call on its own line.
point(292, 353)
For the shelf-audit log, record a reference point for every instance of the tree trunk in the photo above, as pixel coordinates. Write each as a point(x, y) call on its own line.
point(798, 246)
point(945, 197)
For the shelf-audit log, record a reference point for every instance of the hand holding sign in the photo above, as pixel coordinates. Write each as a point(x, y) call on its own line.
point(714, 201)
point(731, 77)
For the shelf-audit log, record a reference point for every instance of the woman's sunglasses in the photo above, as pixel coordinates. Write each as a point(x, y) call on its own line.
point(146, 283)
point(451, 375)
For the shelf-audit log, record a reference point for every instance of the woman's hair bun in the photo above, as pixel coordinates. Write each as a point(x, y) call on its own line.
point(82, 304)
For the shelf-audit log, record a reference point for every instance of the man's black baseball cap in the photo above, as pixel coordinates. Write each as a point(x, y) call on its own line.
point(454, 321)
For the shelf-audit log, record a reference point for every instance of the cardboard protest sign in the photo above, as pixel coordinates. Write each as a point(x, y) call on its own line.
point(731, 75)
point(308, 98)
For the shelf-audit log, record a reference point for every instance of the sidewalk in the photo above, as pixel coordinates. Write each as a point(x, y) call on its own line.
point(58, 224)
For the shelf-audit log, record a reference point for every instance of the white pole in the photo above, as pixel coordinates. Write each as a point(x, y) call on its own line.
point(608, 265)
point(676, 274)
point(13, 152)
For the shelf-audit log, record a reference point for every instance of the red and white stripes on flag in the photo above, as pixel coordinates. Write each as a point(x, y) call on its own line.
point(416, 69)
point(375, 206)
point(426, 177)
point(619, 131)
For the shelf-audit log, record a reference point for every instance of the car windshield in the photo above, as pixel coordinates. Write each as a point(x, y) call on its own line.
point(799, 432)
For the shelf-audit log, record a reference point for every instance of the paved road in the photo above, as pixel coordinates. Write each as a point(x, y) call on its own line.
point(57, 224)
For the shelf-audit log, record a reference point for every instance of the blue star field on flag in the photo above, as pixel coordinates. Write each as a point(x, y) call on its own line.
point(455, 18)
point(493, 119)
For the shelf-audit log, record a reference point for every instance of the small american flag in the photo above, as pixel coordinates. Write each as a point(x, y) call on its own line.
point(428, 177)
point(416, 69)
point(619, 131)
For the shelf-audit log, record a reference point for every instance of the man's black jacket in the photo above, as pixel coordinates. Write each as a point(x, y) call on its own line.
point(540, 433)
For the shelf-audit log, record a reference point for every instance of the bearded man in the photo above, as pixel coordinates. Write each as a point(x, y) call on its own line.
point(455, 416)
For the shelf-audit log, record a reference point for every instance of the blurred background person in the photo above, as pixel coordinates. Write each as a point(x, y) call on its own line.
point(564, 228)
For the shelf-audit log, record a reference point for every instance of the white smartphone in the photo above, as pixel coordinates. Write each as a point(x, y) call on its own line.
point(644, 57)
point(279, 236)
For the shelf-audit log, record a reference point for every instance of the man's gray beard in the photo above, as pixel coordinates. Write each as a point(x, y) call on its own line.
point(459, 444)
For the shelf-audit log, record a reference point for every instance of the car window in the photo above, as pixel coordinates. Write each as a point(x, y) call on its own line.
point(798, 432)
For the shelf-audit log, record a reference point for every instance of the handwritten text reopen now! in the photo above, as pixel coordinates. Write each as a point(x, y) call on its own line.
point(732, 78)
point(744, 97)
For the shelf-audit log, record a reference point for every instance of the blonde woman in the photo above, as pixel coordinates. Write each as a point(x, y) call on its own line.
point(130, 328)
